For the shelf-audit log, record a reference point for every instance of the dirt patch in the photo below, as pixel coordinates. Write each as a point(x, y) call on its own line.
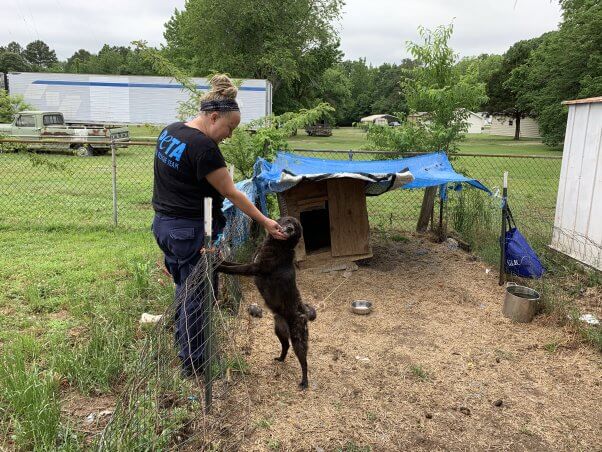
point(87, 415)
point(435, 366)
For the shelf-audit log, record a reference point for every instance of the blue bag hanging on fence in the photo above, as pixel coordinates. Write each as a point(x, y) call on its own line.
point(521, 260)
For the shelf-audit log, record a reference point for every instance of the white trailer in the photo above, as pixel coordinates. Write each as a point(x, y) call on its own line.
point(578, 221)
point(124, 99)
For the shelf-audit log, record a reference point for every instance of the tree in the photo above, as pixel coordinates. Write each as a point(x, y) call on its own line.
point(433, 86)
point(39, 55)
point(111, 60)
point(335, 89)
point(305, 90)
point(567, 65)
point(271, 135)
point(78, 62)
point(289, 42)
point(387, 93)
point(362, 88)
point(10, 61)
point(118, 60)
point(502, 95)
point(10, 105)
point(486, 65)
point(14, 47)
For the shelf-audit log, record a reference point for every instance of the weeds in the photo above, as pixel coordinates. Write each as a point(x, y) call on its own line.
point(551, 347)
point(371, 416)
point(350, 446)
point(263, 423)
point(29, 402)
point(227, 364)
point(274, 444)
point(96, 365)
point(418, 372)
point(472, 216)
point(141, 275)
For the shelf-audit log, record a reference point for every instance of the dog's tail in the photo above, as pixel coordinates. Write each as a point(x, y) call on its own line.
point(310, 311)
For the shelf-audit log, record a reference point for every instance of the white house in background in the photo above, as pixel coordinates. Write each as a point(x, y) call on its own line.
point(476, 121)
point(383, 119)
point(506, 126)
point(578, 220)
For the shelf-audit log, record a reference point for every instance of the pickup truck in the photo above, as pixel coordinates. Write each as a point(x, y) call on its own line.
point(81, 139)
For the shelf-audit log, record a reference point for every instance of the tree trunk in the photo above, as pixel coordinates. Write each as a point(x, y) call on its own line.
point(517, 128)
point(428, 203)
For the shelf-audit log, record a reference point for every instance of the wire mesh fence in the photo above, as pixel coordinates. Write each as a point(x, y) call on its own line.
point(205, 408)
point(65, 190)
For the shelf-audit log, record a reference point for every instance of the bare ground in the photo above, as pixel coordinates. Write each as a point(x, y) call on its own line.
point(435, 366)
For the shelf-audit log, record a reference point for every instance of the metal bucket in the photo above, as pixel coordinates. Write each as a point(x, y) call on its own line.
point(521, 303)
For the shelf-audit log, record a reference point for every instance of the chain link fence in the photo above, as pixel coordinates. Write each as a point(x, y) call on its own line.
point(64, 190)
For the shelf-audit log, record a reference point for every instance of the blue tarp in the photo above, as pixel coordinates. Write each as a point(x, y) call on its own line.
point(428, 170)
point(287, 170)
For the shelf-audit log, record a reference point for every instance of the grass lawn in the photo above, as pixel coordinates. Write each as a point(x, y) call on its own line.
point(346, 138)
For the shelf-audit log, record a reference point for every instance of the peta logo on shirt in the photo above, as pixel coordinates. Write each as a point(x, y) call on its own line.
point(170, 149)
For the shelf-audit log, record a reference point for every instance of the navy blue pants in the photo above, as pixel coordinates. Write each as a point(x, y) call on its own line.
point(181, 240)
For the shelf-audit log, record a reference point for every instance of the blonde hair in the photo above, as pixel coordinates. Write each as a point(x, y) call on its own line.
point(222, 89)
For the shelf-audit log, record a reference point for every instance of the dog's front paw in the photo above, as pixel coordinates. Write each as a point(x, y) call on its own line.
point(303, 385)
point(279, 358)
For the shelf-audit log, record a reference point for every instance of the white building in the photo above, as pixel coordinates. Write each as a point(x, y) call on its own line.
point(127, 99)
point(506, 126)
point(383, 119)
point(476, 121)
point(578, 220)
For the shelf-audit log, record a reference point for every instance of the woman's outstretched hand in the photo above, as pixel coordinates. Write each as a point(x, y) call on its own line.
point(274, 229)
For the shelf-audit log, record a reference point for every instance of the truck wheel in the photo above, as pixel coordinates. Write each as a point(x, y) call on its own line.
point(84, 151)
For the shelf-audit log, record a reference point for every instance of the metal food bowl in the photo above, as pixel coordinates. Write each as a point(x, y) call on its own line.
point(361, 307)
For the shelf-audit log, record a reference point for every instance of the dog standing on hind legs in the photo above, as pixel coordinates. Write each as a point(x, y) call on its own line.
point(273, 270)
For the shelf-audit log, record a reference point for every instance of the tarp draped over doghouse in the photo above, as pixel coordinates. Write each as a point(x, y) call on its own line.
point(429, 170)
point(288, 170)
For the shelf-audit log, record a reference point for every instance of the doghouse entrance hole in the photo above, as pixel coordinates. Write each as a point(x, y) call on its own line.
point(316, 228)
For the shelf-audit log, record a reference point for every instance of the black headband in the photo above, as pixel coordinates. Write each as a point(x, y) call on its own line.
point(219, 105)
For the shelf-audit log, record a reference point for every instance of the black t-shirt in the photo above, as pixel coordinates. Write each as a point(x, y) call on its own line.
point(183, 158)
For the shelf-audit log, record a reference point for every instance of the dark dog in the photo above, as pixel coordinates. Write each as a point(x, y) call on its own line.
point(274, 272)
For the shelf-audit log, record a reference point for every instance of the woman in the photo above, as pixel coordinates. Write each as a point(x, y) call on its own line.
point(189, 167)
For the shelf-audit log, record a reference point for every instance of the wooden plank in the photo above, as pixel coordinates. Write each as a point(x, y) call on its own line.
point(428, 203)
point(589, 100)
point(288, 206)
point(312, 204)
point(349, 227)
point(320, 259)
point(306, 190)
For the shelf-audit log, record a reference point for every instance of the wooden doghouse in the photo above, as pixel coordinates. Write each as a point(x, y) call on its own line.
point(334, 217)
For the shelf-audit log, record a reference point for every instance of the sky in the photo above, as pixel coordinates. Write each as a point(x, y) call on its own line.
point(375, 29)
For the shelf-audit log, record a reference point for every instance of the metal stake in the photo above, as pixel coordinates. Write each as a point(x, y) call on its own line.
point(114, 175)
point(503, 232)
point(208, 320)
